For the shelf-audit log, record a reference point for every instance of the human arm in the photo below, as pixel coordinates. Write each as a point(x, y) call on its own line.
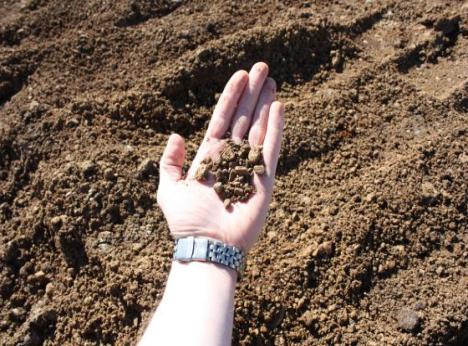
point(198, 303)
point(197, 307)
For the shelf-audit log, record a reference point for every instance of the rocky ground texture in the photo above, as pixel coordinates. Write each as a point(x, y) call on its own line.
point(365, 243)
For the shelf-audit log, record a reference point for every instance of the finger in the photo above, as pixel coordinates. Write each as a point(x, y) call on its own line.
point(273, 137)
point(226, 105)
point(170, 166)
point(260, 118)
point(243, 116)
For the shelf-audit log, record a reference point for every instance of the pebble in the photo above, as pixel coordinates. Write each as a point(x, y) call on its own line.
point(219, 188)
point(137, 247)
point(40, 275)
point(88, 168)
point(428, 190)
point(227, 203)
point(146, 168)
point(50, 289)
point(202, 172)
point(370, 197)
point(255, 155)
point(73, 122)
point(11, 251)
point(408, 320)
point(56, 221)
point(324, 250)
point(241, 170)
point(109, 174)
point(259, 169)
point(227, 154)
point(17, 314)
point(309, 317)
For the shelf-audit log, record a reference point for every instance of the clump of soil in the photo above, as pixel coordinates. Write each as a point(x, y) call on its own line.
point(233, 171)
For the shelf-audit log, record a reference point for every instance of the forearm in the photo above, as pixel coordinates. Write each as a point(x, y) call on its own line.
point(197, 307)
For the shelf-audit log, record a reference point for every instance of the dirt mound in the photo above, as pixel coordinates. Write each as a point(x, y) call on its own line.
point(367, 233)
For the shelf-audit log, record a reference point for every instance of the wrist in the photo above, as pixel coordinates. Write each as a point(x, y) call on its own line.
point(203, 271)
point(202, 281)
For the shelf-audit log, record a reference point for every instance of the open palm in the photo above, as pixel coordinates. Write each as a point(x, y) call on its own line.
point(247, 107)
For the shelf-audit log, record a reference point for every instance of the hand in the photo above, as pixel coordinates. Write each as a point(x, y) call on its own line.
point(247, 106)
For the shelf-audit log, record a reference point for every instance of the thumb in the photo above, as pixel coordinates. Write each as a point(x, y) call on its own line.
point(170, 166)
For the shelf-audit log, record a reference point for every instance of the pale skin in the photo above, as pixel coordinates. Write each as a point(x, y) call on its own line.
point(198, 303)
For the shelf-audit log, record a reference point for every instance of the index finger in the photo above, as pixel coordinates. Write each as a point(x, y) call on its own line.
point(227, 104)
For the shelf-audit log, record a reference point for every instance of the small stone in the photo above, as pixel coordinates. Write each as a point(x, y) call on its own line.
point(463, 158)
point(308, 318)
point(272, 234)
point(308, 251)
point(370, 197)
point(227, 203)
point(408, 320)
point(11, 251)
point(50, 289)
point(137, 247)
point(428, 190)
point(104, 237)
point(259, 169)
point(17, 314)
point(255, 155)
point(202, 172)
point(337, 61)
point(57, 221)
point(40, 275)
point(219, 188)
point(146, 168)
point(241, 170)
point(33, 105)
point(227, 154)
point(88, 168)
point(109, 174)
point(324, 250)
point(73, 122)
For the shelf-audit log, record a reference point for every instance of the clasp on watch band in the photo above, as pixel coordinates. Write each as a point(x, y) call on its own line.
point(207, 250)
point(191, 249)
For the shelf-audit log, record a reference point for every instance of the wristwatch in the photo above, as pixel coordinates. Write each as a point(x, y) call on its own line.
point(201, 249)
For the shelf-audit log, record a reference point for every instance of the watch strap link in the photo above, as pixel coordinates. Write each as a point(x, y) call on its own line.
point(207, 250)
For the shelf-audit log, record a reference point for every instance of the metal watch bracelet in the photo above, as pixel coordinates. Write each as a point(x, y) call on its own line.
point(208, 250)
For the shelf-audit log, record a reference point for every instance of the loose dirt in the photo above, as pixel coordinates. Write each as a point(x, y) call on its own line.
point(232, 171)
point(365, 242)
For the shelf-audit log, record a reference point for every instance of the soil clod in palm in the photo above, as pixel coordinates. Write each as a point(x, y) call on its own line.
point(233, 171)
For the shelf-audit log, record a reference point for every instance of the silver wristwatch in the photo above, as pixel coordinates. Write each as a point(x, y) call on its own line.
point(209, 250)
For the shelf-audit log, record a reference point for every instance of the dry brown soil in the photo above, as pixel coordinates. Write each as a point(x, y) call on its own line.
point(365, 243)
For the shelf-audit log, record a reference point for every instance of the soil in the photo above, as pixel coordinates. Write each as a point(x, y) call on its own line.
point(365, 242)
point(231, 173)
